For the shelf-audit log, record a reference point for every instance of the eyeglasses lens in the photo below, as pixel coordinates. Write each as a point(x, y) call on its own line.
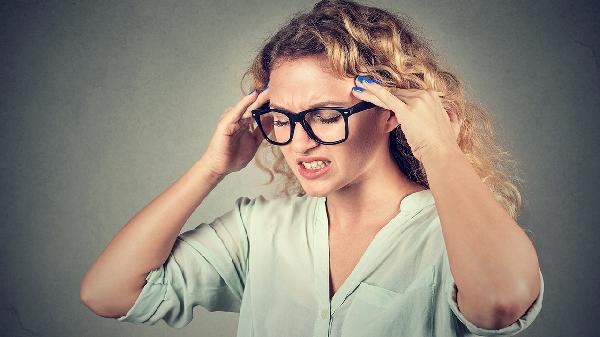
point(327, 125)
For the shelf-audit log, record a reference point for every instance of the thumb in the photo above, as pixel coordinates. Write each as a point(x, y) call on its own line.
point(257, 134)
point(267, 124)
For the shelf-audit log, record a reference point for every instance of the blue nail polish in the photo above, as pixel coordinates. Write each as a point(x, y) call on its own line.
point(251, 91)
point(267, 85)
point(359, 89)
point(362, 79)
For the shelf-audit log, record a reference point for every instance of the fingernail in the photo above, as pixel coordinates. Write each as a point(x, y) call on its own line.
point(362, 79)
point(251, 91)
point(359, 89)
point(267, 85)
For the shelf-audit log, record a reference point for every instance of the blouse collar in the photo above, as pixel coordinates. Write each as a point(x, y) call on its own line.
point(417, 200)
point(412, 202)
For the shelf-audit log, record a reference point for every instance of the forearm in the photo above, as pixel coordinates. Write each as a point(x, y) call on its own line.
point(145, 242)
point(493, 262)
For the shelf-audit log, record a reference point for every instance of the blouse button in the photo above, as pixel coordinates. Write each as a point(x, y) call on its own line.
point(325, 313)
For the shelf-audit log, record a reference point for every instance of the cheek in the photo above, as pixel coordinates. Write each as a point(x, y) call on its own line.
point(286, 155)
point(356, 152)
point(362, 136)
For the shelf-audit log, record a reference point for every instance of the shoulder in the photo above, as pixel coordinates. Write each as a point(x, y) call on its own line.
point(286, 207)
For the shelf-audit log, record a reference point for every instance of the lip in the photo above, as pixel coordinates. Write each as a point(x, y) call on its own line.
point(312, 174)
point(311, 158)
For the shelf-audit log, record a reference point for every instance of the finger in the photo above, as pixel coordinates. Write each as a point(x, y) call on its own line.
point(369, 97)
point(244, 105)
point(231, 115)
point(262, 98)
point(414, 92)
point(386, 97)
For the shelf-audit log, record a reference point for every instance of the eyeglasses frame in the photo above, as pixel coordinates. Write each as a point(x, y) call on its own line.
point(299, 118)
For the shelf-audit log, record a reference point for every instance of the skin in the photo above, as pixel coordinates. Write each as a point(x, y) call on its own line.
point(493, 262)
point(364, 189)
point(364, 186)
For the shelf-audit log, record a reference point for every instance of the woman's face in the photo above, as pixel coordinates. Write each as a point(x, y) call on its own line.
point(298, 85)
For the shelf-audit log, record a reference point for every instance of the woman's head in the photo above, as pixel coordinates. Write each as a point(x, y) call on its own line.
point(351, 39)
point(305, 82)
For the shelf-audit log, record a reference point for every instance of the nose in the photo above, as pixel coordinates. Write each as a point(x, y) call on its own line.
point(301, 141)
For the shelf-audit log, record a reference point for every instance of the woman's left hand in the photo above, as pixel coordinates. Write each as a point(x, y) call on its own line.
point(427, 126)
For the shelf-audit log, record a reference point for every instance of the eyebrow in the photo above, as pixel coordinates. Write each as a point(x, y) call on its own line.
point(318, 104)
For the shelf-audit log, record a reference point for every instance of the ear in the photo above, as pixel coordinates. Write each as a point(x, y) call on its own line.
point(390, 122)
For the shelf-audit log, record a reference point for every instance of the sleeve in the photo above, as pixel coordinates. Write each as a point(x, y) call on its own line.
point(207, 266)
point(521, 324)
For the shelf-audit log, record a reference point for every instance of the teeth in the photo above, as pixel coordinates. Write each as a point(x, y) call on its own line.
point(317, 164)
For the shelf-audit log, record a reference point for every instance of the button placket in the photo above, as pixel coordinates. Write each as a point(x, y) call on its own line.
point(321, 280)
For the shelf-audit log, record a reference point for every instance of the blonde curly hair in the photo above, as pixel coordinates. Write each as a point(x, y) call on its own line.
point(385, 45)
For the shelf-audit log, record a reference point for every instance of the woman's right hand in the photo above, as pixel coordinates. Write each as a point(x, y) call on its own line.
point(233, 144)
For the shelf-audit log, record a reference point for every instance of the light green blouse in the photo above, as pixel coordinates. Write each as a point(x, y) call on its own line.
point(269, 261)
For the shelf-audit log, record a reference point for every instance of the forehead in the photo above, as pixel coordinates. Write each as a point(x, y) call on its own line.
point(299, 83)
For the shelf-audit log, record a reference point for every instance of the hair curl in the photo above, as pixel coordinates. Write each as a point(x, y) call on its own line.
point(385, 45)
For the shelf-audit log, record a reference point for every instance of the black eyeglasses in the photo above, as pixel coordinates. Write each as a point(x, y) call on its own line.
point(322, 124)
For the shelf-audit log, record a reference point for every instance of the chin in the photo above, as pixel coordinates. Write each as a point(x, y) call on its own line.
point(318, 187)
point(315, 189)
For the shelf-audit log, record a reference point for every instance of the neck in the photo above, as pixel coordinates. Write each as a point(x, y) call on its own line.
point(372, 200)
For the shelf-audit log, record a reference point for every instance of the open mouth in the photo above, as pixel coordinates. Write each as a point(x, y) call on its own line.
point(315, 165)
point(314, 169)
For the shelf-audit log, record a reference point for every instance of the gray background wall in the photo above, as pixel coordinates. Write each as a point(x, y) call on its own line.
point(104, 104)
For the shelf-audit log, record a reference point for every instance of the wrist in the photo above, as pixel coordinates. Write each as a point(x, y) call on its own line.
point(441, 154)
point(203, 165)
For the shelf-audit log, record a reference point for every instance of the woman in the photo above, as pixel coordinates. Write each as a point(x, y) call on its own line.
point(394, 219)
